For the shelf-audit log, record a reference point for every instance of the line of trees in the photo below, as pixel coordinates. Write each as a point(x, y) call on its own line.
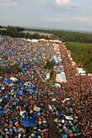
point(12, 69)
point(18, 32)
point(65, 36)
point(68, 36)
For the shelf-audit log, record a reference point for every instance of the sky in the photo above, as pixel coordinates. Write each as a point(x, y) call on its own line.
point(47, 14)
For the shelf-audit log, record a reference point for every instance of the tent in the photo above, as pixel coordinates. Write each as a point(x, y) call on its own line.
point(2, 113)
point(13, 79)
point(57, 85)
point(36, 108)
point(20, 92)
point(27, 122)
point(27, 83)
point(48, 76)
point(61, 77)
point(34, 40)
point(81, 71)
point(30, 91)
point(53, 99)
point(68, 117)
point(64, 135)
point(32, 87)
point(8, 81)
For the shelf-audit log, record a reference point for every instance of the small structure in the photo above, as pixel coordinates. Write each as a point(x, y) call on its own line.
point(81, 71)
point(48, 76)
point(61, 77)
point(13, 79)
point(57, 85)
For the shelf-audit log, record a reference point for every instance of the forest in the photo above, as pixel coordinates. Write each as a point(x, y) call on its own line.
point(81, 54)
point(17, 32)
point(68, 36)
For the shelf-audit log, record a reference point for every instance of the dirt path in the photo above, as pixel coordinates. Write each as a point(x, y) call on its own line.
point(51, 122)
point(52, 127)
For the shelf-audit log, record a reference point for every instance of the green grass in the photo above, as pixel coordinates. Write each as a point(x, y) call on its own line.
point(53, 76)
point(81, 53)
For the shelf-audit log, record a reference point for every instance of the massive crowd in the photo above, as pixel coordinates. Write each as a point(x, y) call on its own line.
point(29, 106)
point(80, 88)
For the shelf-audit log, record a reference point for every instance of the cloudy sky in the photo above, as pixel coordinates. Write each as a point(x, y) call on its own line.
point(51, 14)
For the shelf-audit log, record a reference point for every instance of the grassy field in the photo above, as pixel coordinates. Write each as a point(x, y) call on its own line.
point(81, 53)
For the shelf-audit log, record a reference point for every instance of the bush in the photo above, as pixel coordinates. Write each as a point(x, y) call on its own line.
point(53, 75)
point(15, 69)
point(49, 65)
point(2, 71)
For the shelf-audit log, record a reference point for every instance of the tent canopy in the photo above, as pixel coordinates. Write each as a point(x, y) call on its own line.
point(28, 122)
point(20, 92)
point(32, 87)
point(61, 77)
point(64, 135)
point(13, 79)
point(8, 81)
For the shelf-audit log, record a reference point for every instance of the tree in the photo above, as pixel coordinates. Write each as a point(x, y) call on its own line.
point(15, 69)
point(53, 75)
point(2, 71)
point(49, 65)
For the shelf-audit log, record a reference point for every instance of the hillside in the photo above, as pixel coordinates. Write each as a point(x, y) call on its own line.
point(81, 53)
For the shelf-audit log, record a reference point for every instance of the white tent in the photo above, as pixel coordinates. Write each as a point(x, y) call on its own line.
point(81, 71)
point(13, 79)
point(34, 40)
point(27, 83)
point(36, 108)
point(53, 99)
point(57, 85)
point(48, 76)
point(61, 77)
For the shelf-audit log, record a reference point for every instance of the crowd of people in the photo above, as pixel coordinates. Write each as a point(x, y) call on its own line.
point(29, 106)
point(80, 88)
